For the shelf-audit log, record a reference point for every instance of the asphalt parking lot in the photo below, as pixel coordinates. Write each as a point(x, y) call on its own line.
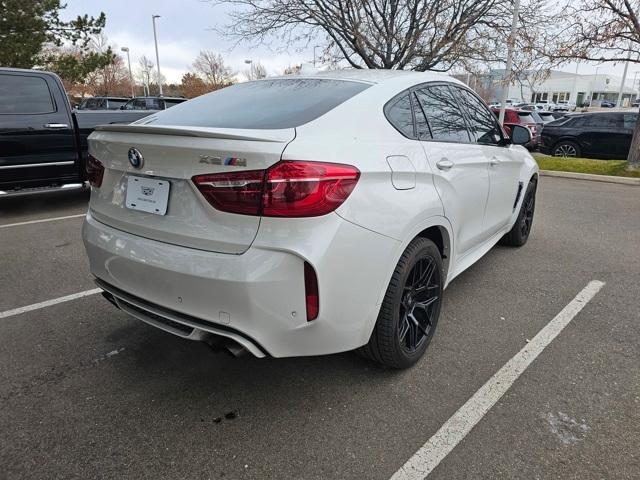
point(87, 392)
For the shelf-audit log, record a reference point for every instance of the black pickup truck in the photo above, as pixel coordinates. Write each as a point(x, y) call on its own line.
point(43, 142)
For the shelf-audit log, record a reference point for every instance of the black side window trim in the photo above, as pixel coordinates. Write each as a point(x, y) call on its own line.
point(391, 103)
point(411, 91)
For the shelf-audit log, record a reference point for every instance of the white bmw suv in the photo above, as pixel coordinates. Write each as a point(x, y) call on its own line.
point(305, 215)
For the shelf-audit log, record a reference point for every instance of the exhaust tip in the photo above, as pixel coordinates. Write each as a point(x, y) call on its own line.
point(220, 344)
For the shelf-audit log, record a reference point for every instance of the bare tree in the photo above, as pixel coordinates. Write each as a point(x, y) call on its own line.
point(113, 79)
point(211, 68)
point(395, 34)
point(145, 72)
point(603, 31)
point(256, 71)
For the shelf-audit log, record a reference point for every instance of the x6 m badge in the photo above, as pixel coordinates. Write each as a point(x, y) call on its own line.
point(229, 161)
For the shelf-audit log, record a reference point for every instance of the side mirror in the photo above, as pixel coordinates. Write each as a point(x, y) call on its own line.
point(520, 135)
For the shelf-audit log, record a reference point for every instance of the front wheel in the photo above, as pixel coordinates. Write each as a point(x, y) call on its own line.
point(410, 309)
point(519, 233)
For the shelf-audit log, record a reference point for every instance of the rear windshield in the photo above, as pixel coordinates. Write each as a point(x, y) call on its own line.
point(116, 104)
point(536, 118)
point(525, 117)
point(265, 104)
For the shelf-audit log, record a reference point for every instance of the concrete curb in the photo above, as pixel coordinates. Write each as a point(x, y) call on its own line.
point(591, 177)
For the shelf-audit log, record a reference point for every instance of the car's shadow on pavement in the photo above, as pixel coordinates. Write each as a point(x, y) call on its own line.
point(170, 369)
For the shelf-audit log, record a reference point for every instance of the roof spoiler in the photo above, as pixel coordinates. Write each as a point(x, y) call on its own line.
point(261, 135)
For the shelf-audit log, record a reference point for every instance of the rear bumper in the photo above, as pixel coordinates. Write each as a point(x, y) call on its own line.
point(256, 298)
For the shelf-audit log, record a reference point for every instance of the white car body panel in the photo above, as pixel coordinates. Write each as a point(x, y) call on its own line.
point(243, 274)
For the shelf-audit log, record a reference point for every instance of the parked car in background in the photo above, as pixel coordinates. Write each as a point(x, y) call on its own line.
point(604, 135)
point(243, 218)
point(545, 105)
point(152, 103)
point(521, 117)
point(43, 143)
point(636, 103)
point(103, 103)
point(539, 124)
point(607, 104)
point(564, 106)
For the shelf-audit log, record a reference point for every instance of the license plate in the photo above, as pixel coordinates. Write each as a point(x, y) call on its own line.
point(147, 194)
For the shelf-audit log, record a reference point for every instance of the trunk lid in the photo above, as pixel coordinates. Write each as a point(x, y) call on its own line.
point(176, 154)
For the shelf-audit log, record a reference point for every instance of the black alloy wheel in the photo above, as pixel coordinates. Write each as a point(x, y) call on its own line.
point(409, 312)
point(419, 304)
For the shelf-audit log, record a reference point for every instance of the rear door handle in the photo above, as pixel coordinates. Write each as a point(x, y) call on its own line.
point(494, 161)
point(55, 126)
point(444, 164)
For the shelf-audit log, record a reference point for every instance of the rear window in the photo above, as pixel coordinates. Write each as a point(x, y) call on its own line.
point(265, 104)
point(526, 117)
point(172, 103)
point(116, 104)
point(24, 94)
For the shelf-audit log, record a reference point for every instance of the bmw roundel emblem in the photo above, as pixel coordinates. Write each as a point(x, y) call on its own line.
point(135, 158)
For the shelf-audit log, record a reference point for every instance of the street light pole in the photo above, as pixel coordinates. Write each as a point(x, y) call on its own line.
point(624, 79)
point(595, 80)
point(574, 92)
point(314, 54)
point(155, 39)
point(507, 71)
point(126, 49)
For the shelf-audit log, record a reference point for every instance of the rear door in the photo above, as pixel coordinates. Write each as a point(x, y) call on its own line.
point(37, 140)
point(460, 168)
point(601, 134)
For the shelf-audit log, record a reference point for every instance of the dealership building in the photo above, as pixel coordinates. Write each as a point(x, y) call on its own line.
point(562, 86)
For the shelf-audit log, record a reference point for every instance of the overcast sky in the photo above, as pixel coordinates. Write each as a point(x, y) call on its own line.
point(185, 29)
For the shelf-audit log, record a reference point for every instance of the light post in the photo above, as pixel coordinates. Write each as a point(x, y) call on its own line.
point(126, 49)
point(574, 92)
point(595, 80)
point(624, 79)
point(155, 39)
point(507, 71)
point(314, 54)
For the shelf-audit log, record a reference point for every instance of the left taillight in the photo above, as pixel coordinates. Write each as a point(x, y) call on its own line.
point(95, 171)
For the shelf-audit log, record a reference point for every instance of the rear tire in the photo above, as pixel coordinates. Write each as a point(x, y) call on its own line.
point(566, 148)
point(519, 233)
point(409, 312)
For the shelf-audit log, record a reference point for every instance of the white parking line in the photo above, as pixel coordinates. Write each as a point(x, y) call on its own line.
point(460, 424)
point(42, 220)
point(48, 303)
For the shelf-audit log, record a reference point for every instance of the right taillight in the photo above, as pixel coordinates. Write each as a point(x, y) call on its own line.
point(287, 189)
point(95, 171)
